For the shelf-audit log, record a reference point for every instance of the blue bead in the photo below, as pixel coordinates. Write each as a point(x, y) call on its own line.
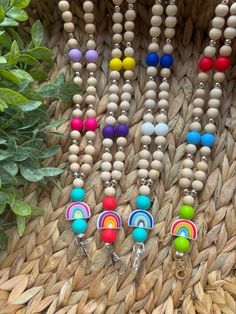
point(193, 137)
point(143, 202)
point(139, 235)
point(166, 61)
point(208, 140)
point(77, 194)
point(79, 226)
point(152, 59)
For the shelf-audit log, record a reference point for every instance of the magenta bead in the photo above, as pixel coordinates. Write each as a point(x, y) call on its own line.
point(76, 124)
point(91, 124)
point(91, 55)
point(75, 55)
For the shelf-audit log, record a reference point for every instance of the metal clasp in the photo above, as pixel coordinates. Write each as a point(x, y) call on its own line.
point(138, 250)
point(180, 268)
point(118, 262)
point(83, 250)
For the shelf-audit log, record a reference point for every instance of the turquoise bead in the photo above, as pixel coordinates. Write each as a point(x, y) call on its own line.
point(143, 202)
point(79, 226)
point(139, 235)
point(208, 140)
point(193, 137)
point(77, 194)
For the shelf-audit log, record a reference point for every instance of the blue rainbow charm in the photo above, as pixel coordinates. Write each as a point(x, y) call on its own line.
point(141, 219)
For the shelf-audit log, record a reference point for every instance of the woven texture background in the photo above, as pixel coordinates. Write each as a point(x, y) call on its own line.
point(40, 272)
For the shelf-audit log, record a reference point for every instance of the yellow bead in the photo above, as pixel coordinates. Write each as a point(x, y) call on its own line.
point(115, 64)
point(129, 63)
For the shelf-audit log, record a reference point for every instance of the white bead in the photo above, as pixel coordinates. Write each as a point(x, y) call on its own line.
point(221, 10)
point(225, 50)
point(232, 21)
point(218, 22)
point(215, 33)
point(230, 33)
point(147, 128)
point(151, 71)
point(233, 8)
point(171, 10)
point(150, 103)
point(156, 20)
point(157, 9)
point(210, 51)
point(171, 21)
point(161, 129)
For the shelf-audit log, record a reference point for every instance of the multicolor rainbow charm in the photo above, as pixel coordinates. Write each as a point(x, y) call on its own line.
point(78, 210)
point(184, 228)
point(141, 219)
point(109, 220)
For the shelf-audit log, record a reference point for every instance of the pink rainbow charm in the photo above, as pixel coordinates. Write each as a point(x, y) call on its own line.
point(78, 210)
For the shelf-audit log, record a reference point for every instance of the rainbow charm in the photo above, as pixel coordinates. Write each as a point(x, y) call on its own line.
point(184, 228)
point(109, 220)
point(78, 210)
point(141, 219)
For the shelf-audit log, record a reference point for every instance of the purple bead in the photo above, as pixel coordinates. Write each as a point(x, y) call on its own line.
point(122, 130)
point(108, 131)
point(91, 55)
point(75, 55)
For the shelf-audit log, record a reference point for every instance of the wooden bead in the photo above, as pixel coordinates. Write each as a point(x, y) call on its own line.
point(129, 52)
point(90, 135)
point(198, 102)
point(197, 112)
point(187, 173)
point(203, 77)
point(144, 190)
point(184, 183)
point(117, 28)
point(86, 168)
point(106, 166)
point(128, 36)
point(90, 149)
point(197, 185)
point(144, 154)
point(216, 93)
point(171, 21)
point(225, 50)
point(221, 10)
point(117, 17)
point(107, 156)
point(218, 22)
point(210, 128)
point(142, 173)
point(195, 126)
point(188, 200)
point(201, 165)
point(214, 103)
point(158, 155)
point(107, 143)
point(90, 28)
point(155, 31)
point(230, 33)
point(121, 141)
point(188, 163)
point(105, 176)
point(77, 99)
point(74, 149)
point(129, 25)
point(110, 191)
point(191, 149)
point(69, 27)
point(146, 140)
point(88, 6)
point(130, 15)
point(78, 80)
point(212, 113)
point(169, 32)
point(215, 33)
point(78, 183)
point(168, 49)
point(205, 151)
point(143, 164)
point(77, 66)
point(118, 165)
point(120, 156)
point(116, 175)
point(200, 175)
point(161, 118)
point(64, 6)
point(73, 43)
point(73, 158)
point(165, 73)
point(160, 141)
point(157, 9)
point(74, 167)
point(153, 174)
point(171, 9)
point(75, 135)
point(89, 17)
point(87, 159)
point(200, 93)
point(156, 165)
point(67, 16)
point(153, 47)
point(219, 77)
point(92, 81)
point(91, 113)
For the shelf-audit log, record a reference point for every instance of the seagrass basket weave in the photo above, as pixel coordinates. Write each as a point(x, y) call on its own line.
point(40, 272)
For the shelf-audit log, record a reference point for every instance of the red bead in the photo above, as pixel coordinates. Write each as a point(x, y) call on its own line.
point(108, 235)
point(91, 124)
point(109, 203)
point(76, 124)
point(206, 64)
point(222, 63)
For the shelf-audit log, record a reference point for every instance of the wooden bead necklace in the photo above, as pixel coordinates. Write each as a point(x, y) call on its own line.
point(78, 211)
point(192, 181)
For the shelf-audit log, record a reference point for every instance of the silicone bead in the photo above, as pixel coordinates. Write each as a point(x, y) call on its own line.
point(193, 137)
point(75, 55)
point(91, 55)
point(166, 61)
point(115, 64)
point(108, 235)
point(143, 202)
point(122, 130)
point(147, 128)
point(187, 212)
point(109, 203)
point(181, 244)
point(129, 63)
point(152, 59)
point(206, 64)
point(222, 63)
point(76, 124)
point(161, 129)
point(208, 140)
point(91, 124)
point(77, 194)
point(108, 131)
point(139, 235)
point(79, 226)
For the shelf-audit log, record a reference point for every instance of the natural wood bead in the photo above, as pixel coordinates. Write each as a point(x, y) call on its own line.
point(117, 2)
point(74, 149)
point(127, 88)
point(187, 173)
point(87, 159)
point(73, 43)
point(105, 176)
point(91, 90)
point(155, 31)
point(144, 190)
point(156, 20)
point(188, 200)
point(120, 156)
point(69, 27)
point(171, 21)
point(197, 185)
point(128, 36)
point(74, 167)
point(148, 117)
point(215, 33)
point(90, 149)
point(117, 38)
point(117, 28)
point(144, 154)
point(142, 173)
point(67, 16)
point(168, 48)
point(107, 156)
point(161, 118)
point(90, 99)
point(163, 95)
point(107, 142)
point(125, 105)
point(116, 53)
point(143, 164)
point(91, 113)
point(195, 126)
point(216, 93)
point(88, 6)
point(214, 103)
point(184, 183)
point(222, 10)
point(118, 165)
point(233, 9)
point(77, 66)
point(123, 119)
point(114, 89)
point(191, 149)
point(75, 135)
point(200, 93)
point(89, 17)
point(92, 81)
point(116, 175)
point(165, 73)
point(153, 47)
point(86, 168)
point(205, 151)
point(163, 104)
point(212, 113)
point(225, 50)
point(157, 9)
point(197, 112)
point(156, 165)
point(200, 175)
point(110, 191)
point(110, 120)
point(64, 6)
point(92, 67)
point(188, 163)
point(210, 51)
point(126, 96)
point(121, 141)
point(202, 166)
point(91, 44)
point(230, 33)
point(128, 75)
point(117, 17)
point(151, 94)
point(154, 174)
point(90, 135)
point(158, 155)
point(77, 99)
point(78, 183)
point(198, 102)
point(114, 75)
point(160, 141)
point(231, 21)
point(151, 85)
point(129, 26)
point(203, 77)
point(78, 80)
point(77, 113)
point(164, 86)
point(130, 15)
point(150, 104)
point(73, 158)
point(171, 9)
point(218, 22)
point(219, 77)
point(210, 127)
point(146, 140)
point(106, 166)
point(129, 52)
point(90, 28)
point(169, 32)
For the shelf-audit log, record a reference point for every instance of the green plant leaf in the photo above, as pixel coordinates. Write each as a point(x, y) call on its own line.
point(17, 14)
point(60, 79)
point(29, 60)
point(3, 201)
point(36, 211)
point(9, 22)
point(3, 105)
point(20, 222)
point(67, 90)
point(9, 76)
point(20, 3)
point(23, 75)
point(3, 60)
point(3, 241)
point(17, 37)
point(33, 95)
point(5, 4)
point(11, 193)
point(2, 13)
point(39, 75)
point(48, 91)
point(21, 208)
point(31, 175)
point(40, 53)
point(37, 32)
point(14, 55)
point(50, 152)
point(5, 40)
point(10, 167)
point(4, 154)
point(50, 171)
point(11, 97)
point(30, 105)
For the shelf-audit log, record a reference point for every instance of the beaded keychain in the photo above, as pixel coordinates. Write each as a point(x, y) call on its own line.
point(151, 166)
point(78, 211)
point(193, 182)
point(116, 130)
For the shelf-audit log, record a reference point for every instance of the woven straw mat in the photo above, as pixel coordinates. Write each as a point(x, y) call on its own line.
point(40, 272)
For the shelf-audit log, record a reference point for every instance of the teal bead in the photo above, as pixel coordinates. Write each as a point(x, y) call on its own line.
point(79, 226)
point(143, 202)
point(139, 235)
point(77, 194)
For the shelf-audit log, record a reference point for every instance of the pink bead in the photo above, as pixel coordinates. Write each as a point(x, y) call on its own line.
point(76, 124)
point(91, 124)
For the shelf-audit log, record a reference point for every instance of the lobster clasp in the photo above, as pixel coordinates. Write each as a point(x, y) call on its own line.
point(118, 262)
point(83, 247)
point(138, 250)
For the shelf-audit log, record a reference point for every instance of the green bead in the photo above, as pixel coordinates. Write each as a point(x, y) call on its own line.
point(187, 212)
point(77, 194)
point(143, 202)
point(139, 235)
point(181, 244)
point(79, 226)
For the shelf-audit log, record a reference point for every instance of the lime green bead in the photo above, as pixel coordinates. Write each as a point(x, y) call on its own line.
point(115, 64)
point(187, 212)
point(129, 63)
point(181, 244)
